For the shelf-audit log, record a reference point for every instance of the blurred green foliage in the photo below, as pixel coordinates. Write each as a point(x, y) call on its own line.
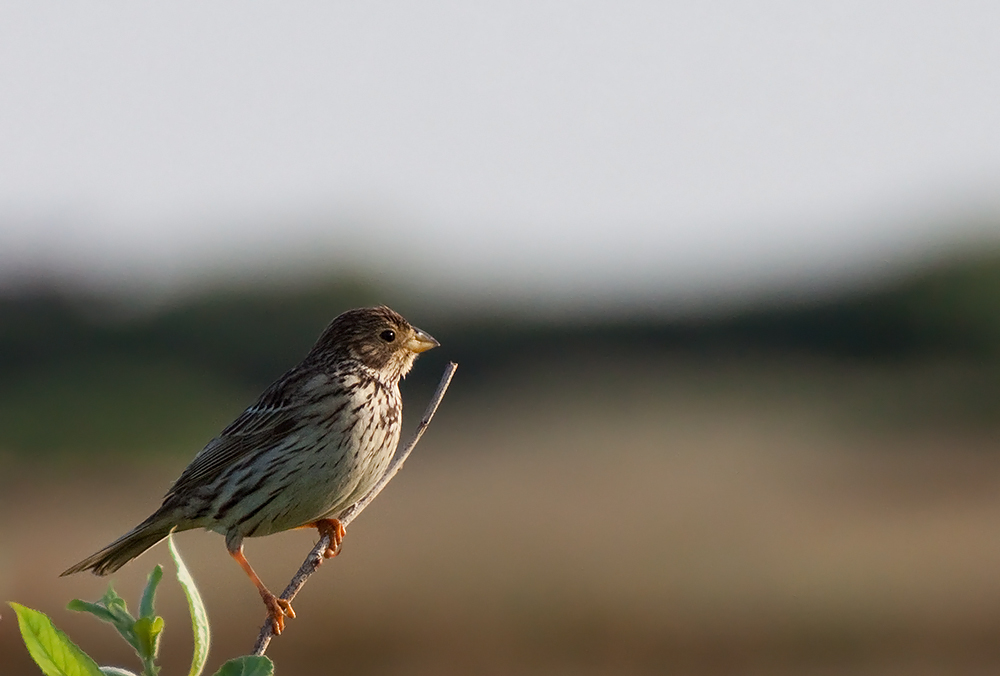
point(84, 374)
point(106, 403)
point(243, 335)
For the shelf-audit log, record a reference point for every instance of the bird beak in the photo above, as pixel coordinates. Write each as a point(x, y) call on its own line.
point(420, 342)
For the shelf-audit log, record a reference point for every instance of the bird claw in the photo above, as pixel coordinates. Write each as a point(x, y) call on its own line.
point(336, 531)
point(277, 610)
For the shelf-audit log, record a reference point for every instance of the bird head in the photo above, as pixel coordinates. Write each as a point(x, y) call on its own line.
point(377, 337)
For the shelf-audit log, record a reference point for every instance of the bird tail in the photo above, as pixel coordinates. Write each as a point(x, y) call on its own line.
point(127, 547)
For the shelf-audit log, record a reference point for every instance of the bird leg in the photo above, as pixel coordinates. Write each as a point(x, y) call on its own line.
point(277, 608)
point(335, 530)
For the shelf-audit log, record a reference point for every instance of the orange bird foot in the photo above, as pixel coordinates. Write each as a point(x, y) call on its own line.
point(277, 610)
point(335, 530)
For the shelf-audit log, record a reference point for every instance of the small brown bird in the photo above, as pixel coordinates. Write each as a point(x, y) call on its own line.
point(315, 443)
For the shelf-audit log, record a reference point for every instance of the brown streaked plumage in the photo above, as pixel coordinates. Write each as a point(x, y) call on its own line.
point(314, 443)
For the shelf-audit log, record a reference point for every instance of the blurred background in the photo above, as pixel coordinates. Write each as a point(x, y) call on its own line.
point(723, 284)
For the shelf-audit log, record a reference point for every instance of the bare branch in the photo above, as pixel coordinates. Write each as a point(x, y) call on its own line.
point(315, 557)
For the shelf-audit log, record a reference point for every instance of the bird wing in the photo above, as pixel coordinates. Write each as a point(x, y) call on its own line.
point(258, 428)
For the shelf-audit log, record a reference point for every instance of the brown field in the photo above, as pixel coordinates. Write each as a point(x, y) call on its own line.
point(676, 517)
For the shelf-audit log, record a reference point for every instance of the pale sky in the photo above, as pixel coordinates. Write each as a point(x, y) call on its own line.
point(515, 149)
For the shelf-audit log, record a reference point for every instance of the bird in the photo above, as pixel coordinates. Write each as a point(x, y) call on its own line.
point(313, 444)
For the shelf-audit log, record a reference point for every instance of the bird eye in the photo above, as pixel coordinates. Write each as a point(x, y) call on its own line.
point(388, 335)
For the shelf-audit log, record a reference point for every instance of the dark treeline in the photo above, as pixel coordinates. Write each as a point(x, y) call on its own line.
point(82, 375)
point(950, 309)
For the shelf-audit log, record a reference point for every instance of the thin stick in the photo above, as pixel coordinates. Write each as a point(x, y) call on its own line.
point(315, 557)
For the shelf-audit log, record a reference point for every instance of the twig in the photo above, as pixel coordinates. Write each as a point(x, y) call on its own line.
point(315, 557)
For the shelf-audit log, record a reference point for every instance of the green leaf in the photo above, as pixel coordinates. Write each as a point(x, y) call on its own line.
point(51, 649)
point(248, 665)
point(149, 593)
point(113, 609)
point(199, 617)
point(116, 604)
point(116, 671)
point(147, 632)
point(100, 612)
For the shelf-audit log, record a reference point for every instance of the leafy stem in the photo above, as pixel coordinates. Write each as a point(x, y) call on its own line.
point(56, 655)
